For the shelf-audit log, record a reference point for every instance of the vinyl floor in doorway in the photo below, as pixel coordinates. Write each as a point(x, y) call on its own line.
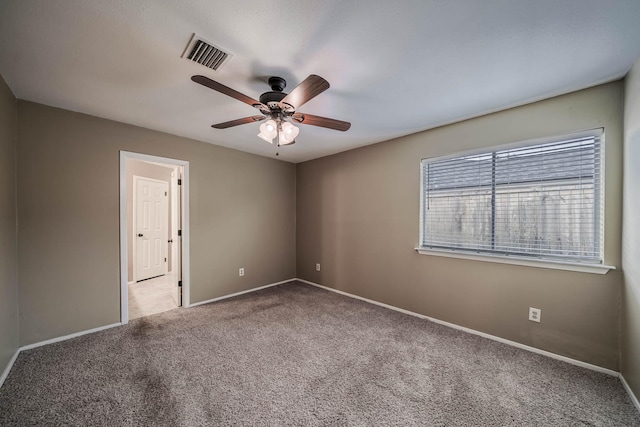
point(151, 297)
point(301, 356)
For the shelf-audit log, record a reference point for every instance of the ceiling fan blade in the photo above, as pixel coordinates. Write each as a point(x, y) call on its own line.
point(310, 119)
point(311, 87)
point(237, 122)
point(219, 87)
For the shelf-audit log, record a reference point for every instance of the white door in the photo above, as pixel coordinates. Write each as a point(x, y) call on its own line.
point(151, 218)
point(175, 242)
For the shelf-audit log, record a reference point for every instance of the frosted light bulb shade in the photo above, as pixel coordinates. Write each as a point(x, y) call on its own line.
point(268, 131)
point(288, 133)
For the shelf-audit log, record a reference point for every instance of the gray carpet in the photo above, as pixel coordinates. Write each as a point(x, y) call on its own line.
point(297, 355)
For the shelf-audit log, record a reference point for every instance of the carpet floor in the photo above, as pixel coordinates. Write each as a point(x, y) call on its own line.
point(298, 355)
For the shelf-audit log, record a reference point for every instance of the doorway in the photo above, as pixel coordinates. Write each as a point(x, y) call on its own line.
point(154, 234)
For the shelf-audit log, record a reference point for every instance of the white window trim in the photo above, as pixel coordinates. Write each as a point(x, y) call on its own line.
point(469, 254)
point(519, 260)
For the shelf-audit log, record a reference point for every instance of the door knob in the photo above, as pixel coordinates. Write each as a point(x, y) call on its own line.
point(140, 235)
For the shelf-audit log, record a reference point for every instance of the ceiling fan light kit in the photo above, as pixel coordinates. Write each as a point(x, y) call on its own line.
point(278, 133)
point(279, 108)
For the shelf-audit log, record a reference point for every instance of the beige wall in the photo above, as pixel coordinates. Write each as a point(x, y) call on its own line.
point(358, 215)
point(242, 214)
point(630, 348)
point(147, 170)
point(8, 227)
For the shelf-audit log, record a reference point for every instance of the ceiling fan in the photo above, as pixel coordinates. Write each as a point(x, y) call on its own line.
point(279, 108)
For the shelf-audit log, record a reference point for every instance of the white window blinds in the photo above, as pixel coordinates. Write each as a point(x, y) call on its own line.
point(542, 201)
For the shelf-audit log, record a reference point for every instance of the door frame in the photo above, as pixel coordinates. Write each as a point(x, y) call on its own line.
point(134, 247)
point(124, 235)
point(174, 227)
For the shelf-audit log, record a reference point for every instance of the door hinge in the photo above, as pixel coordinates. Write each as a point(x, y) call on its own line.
point(179, 232)
point(165, 260)
point(180, 283)
point(165, 193)
point(179, 181)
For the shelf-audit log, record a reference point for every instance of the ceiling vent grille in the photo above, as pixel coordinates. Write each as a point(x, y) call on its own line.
point(205, 53)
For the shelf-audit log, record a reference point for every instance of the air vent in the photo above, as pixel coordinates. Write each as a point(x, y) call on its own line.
point(203, 52)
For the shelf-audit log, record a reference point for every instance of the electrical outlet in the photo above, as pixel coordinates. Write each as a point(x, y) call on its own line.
point(241, 272)
point(318, 267)
point(535, 314)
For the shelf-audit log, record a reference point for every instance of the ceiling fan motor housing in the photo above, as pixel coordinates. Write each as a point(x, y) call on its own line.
point(276, 95)
point(277, 83)
point(268, 97)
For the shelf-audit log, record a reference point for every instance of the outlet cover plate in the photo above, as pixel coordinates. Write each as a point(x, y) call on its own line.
point(535, 314)
point(241, 272)
point(318, 267)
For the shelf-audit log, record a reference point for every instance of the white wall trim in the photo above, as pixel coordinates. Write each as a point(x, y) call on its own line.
point(6, 371)
point(68, 337)
point(186, 271)
point(472, 331)
point(50, 341)
point(518, 260)
point(632, 396)
point(242, 292)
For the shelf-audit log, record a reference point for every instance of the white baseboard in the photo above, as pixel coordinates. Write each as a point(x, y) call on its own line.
point(472, 331)
point(632, 396)
point(50, 341)
point(5, 373)
point(68, 337)
point(240, 293)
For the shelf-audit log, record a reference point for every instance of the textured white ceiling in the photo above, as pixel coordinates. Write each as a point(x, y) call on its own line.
point(394, 67)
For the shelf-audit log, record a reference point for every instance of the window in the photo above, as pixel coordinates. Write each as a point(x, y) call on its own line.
point(535, 201)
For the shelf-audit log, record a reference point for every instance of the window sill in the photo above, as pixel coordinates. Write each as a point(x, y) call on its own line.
point(516, 260)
